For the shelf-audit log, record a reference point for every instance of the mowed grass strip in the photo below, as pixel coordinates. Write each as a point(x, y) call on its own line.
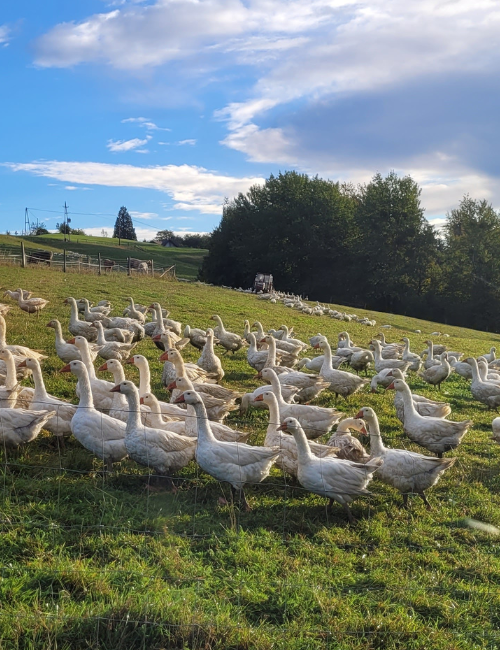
point(114, 562)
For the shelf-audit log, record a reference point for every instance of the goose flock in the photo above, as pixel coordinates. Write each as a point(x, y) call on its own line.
point(121, 418)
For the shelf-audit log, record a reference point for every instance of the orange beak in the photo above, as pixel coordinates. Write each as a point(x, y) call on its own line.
point(359, 415)
point(22, 364)
point(262, 340)
point(259, 398)
point(363, 430)
point(157, 337)
point(131, 360)
point(180, 399)
point(389, 374)
point(115, 389)
point(164, 356)
point(141, 400)
point(282, 427)
point(71, 340)
point(391, 387)
point(103, 367)
point(172, 386)
point(66, 368)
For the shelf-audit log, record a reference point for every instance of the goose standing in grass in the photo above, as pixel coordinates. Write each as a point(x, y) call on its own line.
point(279, 356)
point(191, 370)
point(79, 327)
point(432, 352)
point(434, 434)
point(168, 339)
point(101, 395)
point(60, 423)
point(15, 295)
point(361, 360)
point(382, 364)
point(407, 471)
point(348, 447)
point(19, 350)
point(423, 405)
point(209, 361)
point(491, 355)
point(249, 399)
point(461, 368)
point(230, 342)
point(338, 480)
point(485, 374)
point(483, 391)
point(435, 375)
point(31, 305)
point(288, 339)
point(236, 463)
point(20, 426)
point(67, 351)
point(9, 392)
point(287, 460)
point(341, 383)
point(413, 359)
point(99, 433)
point(217, 408)
point(197, 337)
point(111, 349)
point(315, 420)
point(132, 312)
point(91, 316)
point(165, 452)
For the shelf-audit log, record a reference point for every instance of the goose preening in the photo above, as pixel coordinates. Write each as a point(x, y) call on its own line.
point(163, 451)
point(435, 375)
point(407, 471)
point(337, 479)
point(99, 433)
point(435, 434)
point(461, 368)
point(315, 420)
point(111, 349)
point(197, 337)
point(4, 309)
point(228, 340)
point(423, 405)
point(236, 463)
point(287, 460)
point(130, 324)
point(349, 447)
point(60, 423)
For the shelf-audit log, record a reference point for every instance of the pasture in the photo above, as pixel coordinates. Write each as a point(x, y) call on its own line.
point(113, 562)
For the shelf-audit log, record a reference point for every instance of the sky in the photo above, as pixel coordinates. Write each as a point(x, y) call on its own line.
point(170, 106)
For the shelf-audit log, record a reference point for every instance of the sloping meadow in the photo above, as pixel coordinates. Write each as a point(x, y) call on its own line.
point(117, 562)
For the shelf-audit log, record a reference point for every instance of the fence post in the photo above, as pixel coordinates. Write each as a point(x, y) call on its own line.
point(23, 256)
point(152, 269)
point(99, 262)
point(128, 265)
point(64, 260)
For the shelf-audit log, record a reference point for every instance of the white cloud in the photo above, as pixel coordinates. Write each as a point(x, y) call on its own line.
point(126, 145)
point(145, 123)
point(189, 142)
point(4, 35)
point(142, 233)
point(144, 215)
point(193, 188)
point(72, 188)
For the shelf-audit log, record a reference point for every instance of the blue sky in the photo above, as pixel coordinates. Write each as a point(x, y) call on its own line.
point(168, 106)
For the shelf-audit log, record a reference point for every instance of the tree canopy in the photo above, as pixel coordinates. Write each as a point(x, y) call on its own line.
point(367, 246)
point(124, 227)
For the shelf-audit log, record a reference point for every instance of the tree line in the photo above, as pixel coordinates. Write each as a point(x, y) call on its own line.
point(366, 246)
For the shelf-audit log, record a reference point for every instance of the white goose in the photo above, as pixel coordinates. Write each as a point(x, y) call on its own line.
point(163, 451)
point(79, 327)
point(196, 336)
point(287, 338)
point(423, 405)
point(111, 349)
point(209, 361)
point(60, 423)
point(382, 364)
point(413, 359)
point(315, 420)
point(483, 391)
point(435, 434)
point(170, 370)
point(217, 408)
point(91, 316)
point(19, 350)
point(287, 460)
point(430, 360)
point(230, 341)
point(349, 447)
point(31, 305)
point(338, 480)
point(234, 462)
point(406, 471)
point(10, 392)
point(435, 375)
point(20, 426)
point(100, 434)
point(101, 395)
point(341, 383)
point(495, 426)
point(67, 351)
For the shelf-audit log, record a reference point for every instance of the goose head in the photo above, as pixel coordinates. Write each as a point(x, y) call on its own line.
point(188, 397)
point(126, 387)
point(170, 355)
point(367, 414)
point(290, 425)
point(76, 368)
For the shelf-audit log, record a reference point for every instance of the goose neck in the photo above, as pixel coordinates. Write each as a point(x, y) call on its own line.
point(376, 444)
point(3, 330)
point(85, 354)
point(134, 411)
point(40, 391)
point(274, 416)
point(11, 374)
point(86, 400)
point(144, 378)
point(202, 424)
point(303, 450)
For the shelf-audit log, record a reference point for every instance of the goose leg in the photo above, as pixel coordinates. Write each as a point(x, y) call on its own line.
point(405, 500)
point(109, 465)
point(349, 514)
point(424, 499)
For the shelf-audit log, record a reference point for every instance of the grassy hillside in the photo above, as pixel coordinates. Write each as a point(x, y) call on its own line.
point(92, 561)
point(187, 260)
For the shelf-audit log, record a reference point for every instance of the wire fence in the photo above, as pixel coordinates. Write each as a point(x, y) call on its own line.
point(106, 532)
point(71, 262)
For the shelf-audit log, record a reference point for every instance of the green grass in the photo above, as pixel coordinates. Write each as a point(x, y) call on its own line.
point(93, 562)
point(187, 260)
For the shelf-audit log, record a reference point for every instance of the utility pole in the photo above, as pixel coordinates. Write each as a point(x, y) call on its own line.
point(27, 225)
point(67, 221)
